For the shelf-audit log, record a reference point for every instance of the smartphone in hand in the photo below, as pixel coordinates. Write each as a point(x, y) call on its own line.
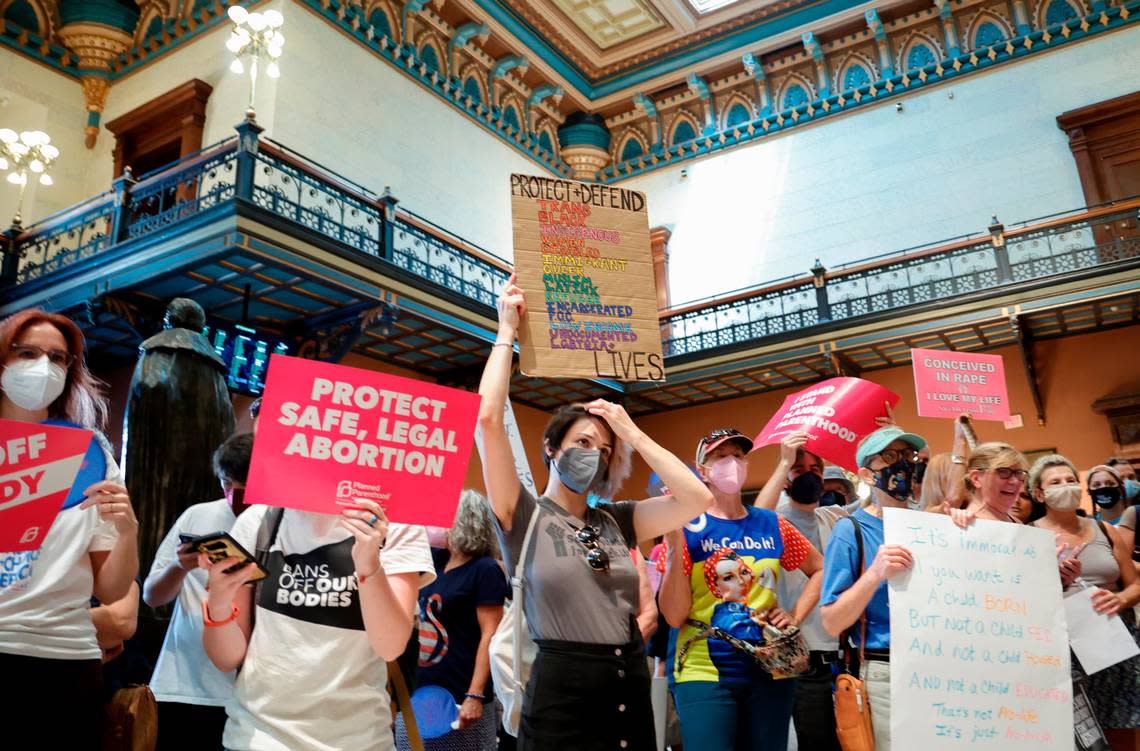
point(219, 545)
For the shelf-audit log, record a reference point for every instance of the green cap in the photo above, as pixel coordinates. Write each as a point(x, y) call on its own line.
point(875, 443)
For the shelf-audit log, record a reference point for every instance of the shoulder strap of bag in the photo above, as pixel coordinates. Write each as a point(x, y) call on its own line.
point(517, 592)
point(850, 663)
point(404, 702)
point(1112, 549)
point(266, 536)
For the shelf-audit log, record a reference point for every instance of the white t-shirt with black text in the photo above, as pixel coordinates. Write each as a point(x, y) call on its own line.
point(45, 594)
point(183, 672)
point(310, 679)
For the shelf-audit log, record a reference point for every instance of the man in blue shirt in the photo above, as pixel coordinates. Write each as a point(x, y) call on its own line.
point(853, 589)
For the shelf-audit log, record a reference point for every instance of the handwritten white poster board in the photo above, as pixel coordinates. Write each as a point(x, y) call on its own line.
point(979, 648)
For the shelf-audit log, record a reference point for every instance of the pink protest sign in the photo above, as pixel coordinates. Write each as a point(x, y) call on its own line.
point(38, 466)
point(836, 414)
point(949, 384)
point(328, 434)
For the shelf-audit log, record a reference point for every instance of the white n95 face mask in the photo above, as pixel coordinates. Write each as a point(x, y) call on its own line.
point(33, 384)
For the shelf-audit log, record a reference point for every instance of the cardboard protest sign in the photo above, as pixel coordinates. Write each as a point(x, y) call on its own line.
point(329, 434)
point(948, 384)
point(836, 413)
point(979, 647)
point(38, 466)
point(514, 435)
point(582, 255)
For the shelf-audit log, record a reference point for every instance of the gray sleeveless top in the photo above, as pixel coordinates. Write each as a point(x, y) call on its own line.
point(1098, 564)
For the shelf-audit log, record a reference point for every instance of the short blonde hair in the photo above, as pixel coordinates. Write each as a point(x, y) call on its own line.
point(993, 455)
point(936, 488)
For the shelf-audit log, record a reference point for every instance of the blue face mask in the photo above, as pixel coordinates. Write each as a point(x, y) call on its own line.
point(1132, 491)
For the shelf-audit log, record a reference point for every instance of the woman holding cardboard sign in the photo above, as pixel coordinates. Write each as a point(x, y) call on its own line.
point(46, 634)
point(589, 686)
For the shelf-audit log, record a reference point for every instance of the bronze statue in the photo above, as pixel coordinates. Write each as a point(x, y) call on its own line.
point(178, 412)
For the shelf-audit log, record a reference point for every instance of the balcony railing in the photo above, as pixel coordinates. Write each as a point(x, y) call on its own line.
point(1037, 251)
point(301, 192)
point(275, 179)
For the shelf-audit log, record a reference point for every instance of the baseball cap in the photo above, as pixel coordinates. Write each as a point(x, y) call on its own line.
point(719, 436)
point(883, 437)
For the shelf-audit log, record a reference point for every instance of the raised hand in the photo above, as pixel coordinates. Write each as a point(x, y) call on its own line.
point(369, 525)
point(114, 505)
point(791, 444)
point(222, 586)
point(511, 304)
point(616, 417)
point(890, 560)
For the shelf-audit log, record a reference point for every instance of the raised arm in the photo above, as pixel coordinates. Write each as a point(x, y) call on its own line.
point(647, 612)
point(387, 601)
point(226, 636)
point(809, 597)
point(656, 516)
point(675, 598)
point(114, 570)
point(839, 615)
point(499, 474)
point(769, 495)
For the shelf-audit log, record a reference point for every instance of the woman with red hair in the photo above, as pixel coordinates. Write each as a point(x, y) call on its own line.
point(46, 634)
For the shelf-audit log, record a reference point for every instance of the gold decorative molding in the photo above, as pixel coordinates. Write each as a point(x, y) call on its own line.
point(586, 161)
point(96, 45)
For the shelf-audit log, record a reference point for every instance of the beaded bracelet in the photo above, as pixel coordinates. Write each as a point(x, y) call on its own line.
point(473, 695)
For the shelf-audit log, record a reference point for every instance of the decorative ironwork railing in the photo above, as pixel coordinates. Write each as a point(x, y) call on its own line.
point(297, 190)
point(1038, 250)
point(417, 249)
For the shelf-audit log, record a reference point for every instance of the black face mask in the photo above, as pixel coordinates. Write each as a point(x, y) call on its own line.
point(1106, 497)
point(833, 498)
point(919, 472)
point(807, 488)
point(897, 480)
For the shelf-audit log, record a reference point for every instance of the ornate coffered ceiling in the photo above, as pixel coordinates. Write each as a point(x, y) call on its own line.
point(608, 23)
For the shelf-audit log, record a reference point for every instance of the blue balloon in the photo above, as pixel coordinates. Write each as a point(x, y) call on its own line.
point(93, 469)
point(435, 710)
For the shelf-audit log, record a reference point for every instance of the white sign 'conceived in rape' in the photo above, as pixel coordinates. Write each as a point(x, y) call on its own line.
point(979, 647)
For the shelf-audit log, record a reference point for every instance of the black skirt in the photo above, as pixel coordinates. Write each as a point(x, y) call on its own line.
point(588, 697)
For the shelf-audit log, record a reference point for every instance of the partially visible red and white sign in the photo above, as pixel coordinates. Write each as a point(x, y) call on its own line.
point(948, 384)
point(38, 466)
point(836, 414)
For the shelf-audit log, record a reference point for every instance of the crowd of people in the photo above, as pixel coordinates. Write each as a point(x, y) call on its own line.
point(750, 609)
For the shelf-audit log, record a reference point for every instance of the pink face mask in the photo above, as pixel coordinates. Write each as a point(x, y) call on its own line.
point(727, 474)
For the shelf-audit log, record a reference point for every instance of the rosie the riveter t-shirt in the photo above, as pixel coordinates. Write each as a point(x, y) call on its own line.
point(310, 679)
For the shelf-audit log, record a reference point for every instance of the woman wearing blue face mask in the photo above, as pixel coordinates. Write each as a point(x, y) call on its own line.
point(46, 634)
point(589, 685)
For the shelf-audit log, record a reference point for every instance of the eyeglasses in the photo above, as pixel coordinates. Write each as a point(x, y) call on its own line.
point(596, 557)
point(60, 357)
point(890, 456)
point(1005, 473)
